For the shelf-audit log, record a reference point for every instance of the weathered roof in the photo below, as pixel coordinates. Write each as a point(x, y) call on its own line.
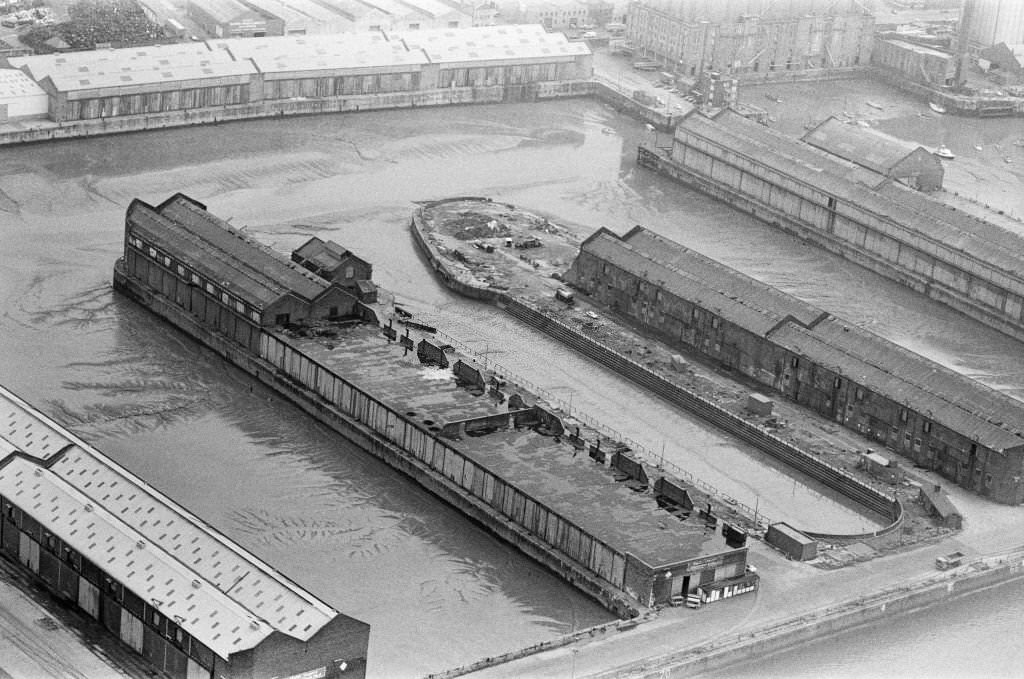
point(792, 533)
point(224, 11)
point(818, 170)
point(863, 146)
point(221, 253)
point(723, 278)
point(956, 402)
point(940, 502)
point(219, 593)
point(492, 43)
point(920, 49)
point(682, 284)
point(325, 254)
point(235, 72)
point(331, 52)
point(228, 270)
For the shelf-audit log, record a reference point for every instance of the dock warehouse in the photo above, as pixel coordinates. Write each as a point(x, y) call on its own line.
point(956, 426)
point(969, 264)
point(259, 72)
point(192, 602)
point(217, 274)
point(613, 542)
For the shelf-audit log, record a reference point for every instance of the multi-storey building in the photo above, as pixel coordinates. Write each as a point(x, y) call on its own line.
point(990, 22)
point(750, 38)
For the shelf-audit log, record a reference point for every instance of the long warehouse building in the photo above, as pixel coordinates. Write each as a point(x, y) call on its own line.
point(194, 603)
point(963, 430)
point(973, 265)
point(614, 542)
point(253, 74)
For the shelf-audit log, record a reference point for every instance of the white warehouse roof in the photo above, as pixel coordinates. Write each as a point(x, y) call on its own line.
point(220, 593)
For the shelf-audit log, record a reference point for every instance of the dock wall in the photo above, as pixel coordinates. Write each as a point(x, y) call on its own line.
point(914, 268)
point(868, 609)
point(450, 96)
point(832, 477)
point(408, 447)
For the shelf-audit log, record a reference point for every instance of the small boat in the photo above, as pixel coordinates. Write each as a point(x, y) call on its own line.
point(938, 108)
point(874, 105)
point(977, 148)
point(944, 152)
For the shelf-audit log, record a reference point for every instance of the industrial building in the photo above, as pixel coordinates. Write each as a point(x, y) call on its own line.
point(970, 264)
point(890, 157)
point(963, 430)
point(745, 38)
point(20, 97)
point(609, 537)
point(192, 602)
point(330, 261)
point(196, 260)
point(916, 63)
point(990, 22)
point(232, 19)
point(253, 73)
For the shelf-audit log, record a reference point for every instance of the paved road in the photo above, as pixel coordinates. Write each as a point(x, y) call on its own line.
point(39, 639)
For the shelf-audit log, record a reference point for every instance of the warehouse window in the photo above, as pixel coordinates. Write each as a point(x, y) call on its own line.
point(209, 288)
point(255, 315)
point(794, 362)
point(195, 278)
point(859, 395)
point(152, 253)
point(240, 307)
point(988, 480)
point(167, 260)
point(181, 270)
point(224, 298)
point(927, 427)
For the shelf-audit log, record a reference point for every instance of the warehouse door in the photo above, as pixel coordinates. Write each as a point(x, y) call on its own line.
point(196, 671)
point(131, 630)
point(28, 552)
point(89, 597)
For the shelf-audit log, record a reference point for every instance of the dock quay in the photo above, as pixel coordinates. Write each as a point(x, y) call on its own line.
point(472, 218)
point(970, 264)
point(619, 530)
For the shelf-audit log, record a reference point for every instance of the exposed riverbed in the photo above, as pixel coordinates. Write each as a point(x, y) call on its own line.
point(438, 591)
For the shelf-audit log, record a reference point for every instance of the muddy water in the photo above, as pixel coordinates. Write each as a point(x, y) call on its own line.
point(438, 591)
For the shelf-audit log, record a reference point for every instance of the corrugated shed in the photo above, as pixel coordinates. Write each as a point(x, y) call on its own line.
point(951, 400)
point(248, 257)
point(683, 285)
point(253, 286)
point(863, 146)
point(219, 593)
point(816, 169)
point(728, 281)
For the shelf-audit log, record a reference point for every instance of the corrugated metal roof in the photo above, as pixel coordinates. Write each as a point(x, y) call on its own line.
point(804, 163)
point(222, 254)
point(949, 399)
point(492, 43)
point(864, 146)
point(218, 592)
point(14, 83)
point(252, 285)
point(35, 435)
point(956, 402)
point(723, 278)
point(204, 612)
point(226, 10)
point(67, 81)
point(248, 582)
point(682, 284)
